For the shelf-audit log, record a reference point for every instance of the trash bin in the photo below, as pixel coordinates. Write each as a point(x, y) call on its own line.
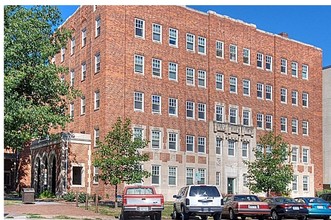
point(28, 195)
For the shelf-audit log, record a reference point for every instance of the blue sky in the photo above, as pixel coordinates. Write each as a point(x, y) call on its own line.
point(307, 24)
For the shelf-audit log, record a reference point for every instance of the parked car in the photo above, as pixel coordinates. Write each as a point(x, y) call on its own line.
point(317, 207)
point(285, 207)
point(198, 200)
point(326, 197)
point(245, 206)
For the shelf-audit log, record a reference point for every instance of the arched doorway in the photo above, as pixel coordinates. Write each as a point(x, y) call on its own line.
point(53, 181)
point(38, 169)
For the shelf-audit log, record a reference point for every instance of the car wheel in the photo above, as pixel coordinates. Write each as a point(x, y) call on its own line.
point(303, 218)
point(217, 216)
point(203, 217)
point(185, 216)
point(261, 218)
point(175, 215)
point(232, 215)
point(326, 218)
point(243, 217)
point(274, 215)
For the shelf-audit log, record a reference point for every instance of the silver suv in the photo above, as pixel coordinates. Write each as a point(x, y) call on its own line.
point(198, 200)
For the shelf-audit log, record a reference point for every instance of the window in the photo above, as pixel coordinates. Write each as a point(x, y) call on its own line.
point(246, 87)
point(173, 36)
point(84, 37)
point(73, 45)
point(304, 71)
point(283, 95)
point(95, 175)
point(294, 155)
point(219, 49)
point(201, 111)
point(82, 105)
point(268, 122)
point(231, 145)
point(294, 68)
point(244, 150)
point(189, 143)
point(233, 53)
point(83, 71)
point(233, 115)
point(156, 104)
point(259, 90)
point(96, 100)
point(97, 27)
point(96, 136)
point(295, 183)
point(201, 45)
point(305, 155)
point(219, 145)
point(268, 92)
point(202, 78)
point(246, 117)
point(218, 179)
point(155, 174)
point(259, 60)
point(63, 53)
point(173, 71)
point(190, 109)
point(246, 56)
point(137, 133)
point(173, 107)
point(219, 109)
point(71, 110)
point(233, 84)
point(156, 70)
point(72, 78)
point(259, 120)
point(97, 63)
point(157, 33)
point(305, 128)
point(219, 81)
point(172, 141)
point(283, 66)
point(201, 144)
point(139, 28)
point(77, 175)
point(283, 124)
point(294, 98)
point(156, 139)
point(305, 99)
point(172, 176)
point(245, 180)
point(189, 176)
point(190, 42)
point(202, 176)
point(138, 64)
point(305, 183)
point(268, 63)
point(138, 101)
point(189, 76)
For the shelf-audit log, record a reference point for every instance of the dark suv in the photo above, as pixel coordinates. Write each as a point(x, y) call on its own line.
point(326, 197)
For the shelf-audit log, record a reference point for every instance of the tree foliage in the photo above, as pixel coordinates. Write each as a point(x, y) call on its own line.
point(35, 99)
point(270, 172)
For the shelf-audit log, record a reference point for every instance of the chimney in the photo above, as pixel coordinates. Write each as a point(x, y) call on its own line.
point(283, 34)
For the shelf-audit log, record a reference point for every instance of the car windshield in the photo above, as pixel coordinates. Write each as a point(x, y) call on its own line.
point(210, 191)
point(285, 200)
point(246, 198)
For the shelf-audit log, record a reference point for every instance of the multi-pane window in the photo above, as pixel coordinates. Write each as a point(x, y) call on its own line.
point(219, 109)
point(268, 122)
point(201, 111)
point(268, 63)
point(246, 117)
point(72, 46)
point(233, 84)
point(294, 126)
point(305, 99)
point(190, 109)
point(219, 144)
point(156, 139)
point(245, 180)
point(304, 71)
point(71, 110)
point(201, 144)
point(201, 78)
point(283, 66)
point(190, 38)
point(97, 27)
point(294, 155)
point(83, 71)
point(233, 53)
point(244, 149)
point(259, 60)
point(219, 49)
point(172, 181)
point(305, 155)
point(173, 37)
point(295, 183)
point(156, 104)
point(268, 92)
point(231, 148)
point(201, 45)
point(173, 71)
point(72, 78)
point(95, 175)
point(77, 175)
point(84, 37)
point(259, 120)
point(138, 101)
point(283, 124)
point(305, 127)
point(283, 95)
point(137, 133)
point(82, 105)
point(157, 32)
point(246, 56)
point(202, 175)
point(294, 69)
point(156, 174)
point(96, 136)
point(139, 28)
point(305, 183)
point(218, 179)
point(294, 98)
point(190, 143)
point(156, 67)
point(97, 63)
point(246, 87)
point(96, 100)
point(172, 140)
point(138, 64)
point(189, 176)
point(233, 115)
point(173, 107)
point(63, 53)
point(189, 76)
point(219, 81)
point(259, 90)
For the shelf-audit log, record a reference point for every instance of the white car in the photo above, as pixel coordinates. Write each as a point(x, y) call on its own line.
point(198, 200)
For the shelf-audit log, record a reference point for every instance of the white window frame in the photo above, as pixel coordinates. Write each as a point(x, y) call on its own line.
point(97, 62)
point(294, 69)
point(139, 26)
point(246, 56)
point(173, 103)
point(268, 63)
point(190, 42)
point(82, 105)
point(283, 95)
point(139, 61)
point(294, 154)
point(283, 123)
point(219, 79)
point(283, 65)
point(190, 78)
point(72, 78)
point(83, 77)
point(189, 176)
point(84, 38)
point(233, 53)
point(305, 128)
point(202, 107)
point(155, 172)
point(231, 148)
point(244, 149)
point(202, 145)
point(268, 122)
point(246, 117)
point(305, 183)
point(138, 97)
point(157, 68)
point(82, 175)
point(268, 92)
point(233, 84)
point(305, 155)
point(218, 145)
point(294, 97)
point(156, 102)
point(219, 113)
point(156, 136)
point(220, 49)
point(189, 142)
point(233, 114)
point(305, 99)
point(96, 136)
point(71, 110)
point(95, 175)
point(97, 100)
point(157, 31)
point(190, 106)
point(97, 26)
point(295, 183)
point(63, 53)
point(305, 72)
point(203, 177)
point(294, 126)
point(259, 121)
point(173, 36)
point(173, 138)
point(72, 45)
point(173, 70)
point(172, 176)
point(259, 60)
point(259, 90)
point(202, 76)
point(246, 86)
point(202, 45)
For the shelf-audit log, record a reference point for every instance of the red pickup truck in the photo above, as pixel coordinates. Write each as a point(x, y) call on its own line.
point(141, 201)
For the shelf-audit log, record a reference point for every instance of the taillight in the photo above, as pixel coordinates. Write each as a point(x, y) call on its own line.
point(285, 205)
point(329, 207)
point(162, 200)
point(124, 201)
point(308, 206)
point(187, 201)
point(243, 206)
point(236, 205)
point(264, 206)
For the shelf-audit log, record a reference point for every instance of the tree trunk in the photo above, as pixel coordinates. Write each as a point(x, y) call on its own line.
point(116, 204)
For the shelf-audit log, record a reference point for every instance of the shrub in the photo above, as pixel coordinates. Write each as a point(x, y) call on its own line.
point(81, 197)
point(46, 194)
point(94, 197)
point(69, 197)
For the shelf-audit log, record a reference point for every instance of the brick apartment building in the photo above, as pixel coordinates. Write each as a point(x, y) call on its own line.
point(327, 126)
point(200, 87)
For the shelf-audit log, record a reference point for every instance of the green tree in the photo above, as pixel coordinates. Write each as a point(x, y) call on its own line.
point(270, 172)
point(120, 158)
point(35, 99)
